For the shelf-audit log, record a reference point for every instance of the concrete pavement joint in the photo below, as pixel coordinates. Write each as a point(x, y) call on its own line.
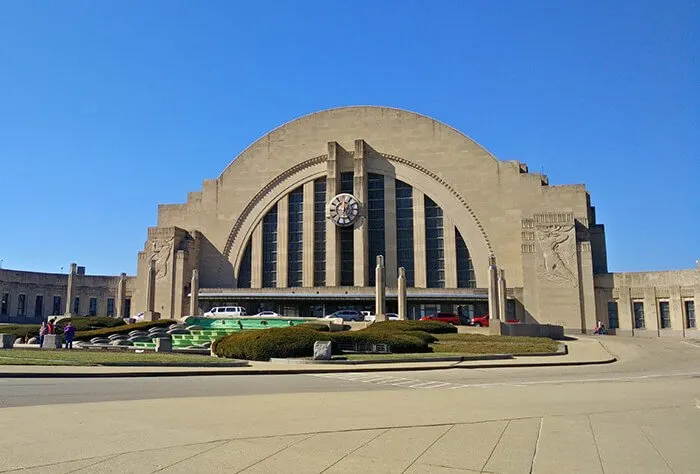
point(426, 449)
point(276, 452)
point(537, 445)
point(493, 450)
point(222, 443)
point(355, 450)
point(641, 430)
point(595, 442)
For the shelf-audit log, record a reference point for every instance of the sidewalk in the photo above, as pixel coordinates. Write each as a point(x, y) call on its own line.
point(584, 351)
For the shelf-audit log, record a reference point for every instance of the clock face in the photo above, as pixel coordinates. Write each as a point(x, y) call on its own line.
point(344, 209)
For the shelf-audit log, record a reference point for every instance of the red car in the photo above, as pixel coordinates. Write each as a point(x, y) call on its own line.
point(443, 317)
point(480, 321)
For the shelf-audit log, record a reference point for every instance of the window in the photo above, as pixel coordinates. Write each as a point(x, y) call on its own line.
point(110, 306)
point(5, 304)
point(434, 245)
point(295, 243)
point(56, 305)
point(39, 306)
point(404, 230)
point(510, 309)
point(613, 320)
point(127, 307)
point(690, 313)
point(93, 307)
point(665, 313)
point(376, 244)
point(244, 272)
point(21, 304)
point(269, 276)
point(347, 256)
point(638, 310)
point(76, 305)
point(320, 232)
point(346, 182)
point(466, 278)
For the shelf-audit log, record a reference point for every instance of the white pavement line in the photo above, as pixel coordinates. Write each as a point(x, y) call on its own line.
point(420, 385)
point(439, 385)
point(403, 384)
point(697, 404)
point(697, 346)
point(375, 379)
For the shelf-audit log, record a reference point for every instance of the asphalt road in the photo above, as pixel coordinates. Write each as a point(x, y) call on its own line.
point(640, 360)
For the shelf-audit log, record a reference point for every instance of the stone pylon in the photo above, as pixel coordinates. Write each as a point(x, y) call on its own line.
point(380, 289)
point(150, 314)
point(402, 294)
point(70, 291)
point(502, 295)
point(194, 293)
point(121, 296)
point(494, 316)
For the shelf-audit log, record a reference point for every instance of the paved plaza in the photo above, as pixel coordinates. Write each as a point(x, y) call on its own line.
point(640, 414)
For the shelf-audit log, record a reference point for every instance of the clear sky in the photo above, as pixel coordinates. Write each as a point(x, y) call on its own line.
point(108, 108)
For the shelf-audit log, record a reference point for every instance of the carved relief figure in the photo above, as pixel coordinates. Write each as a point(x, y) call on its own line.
point(161, 256)
point(557, 252)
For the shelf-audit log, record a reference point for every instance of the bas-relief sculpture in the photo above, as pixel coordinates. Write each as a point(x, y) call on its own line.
point(558, 247)
point(162, 250)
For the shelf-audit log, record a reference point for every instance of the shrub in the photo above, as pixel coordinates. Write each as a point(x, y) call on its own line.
point(21, 330)
point(294, 341)
point(399, 342)
point(123, 329)
point(431, 327)
point(316, 327)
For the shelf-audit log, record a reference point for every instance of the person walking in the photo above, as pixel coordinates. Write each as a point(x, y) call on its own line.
point(69, 332)
point(42, 332)
point(49, 328)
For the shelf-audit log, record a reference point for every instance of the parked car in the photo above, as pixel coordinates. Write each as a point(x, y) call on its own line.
point(346, 315)
point(389, 317)
point(442, 316)
point(267, 314)
point(225, 312)
point(483, 320)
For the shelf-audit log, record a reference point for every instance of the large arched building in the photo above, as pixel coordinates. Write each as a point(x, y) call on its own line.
point(296, 221)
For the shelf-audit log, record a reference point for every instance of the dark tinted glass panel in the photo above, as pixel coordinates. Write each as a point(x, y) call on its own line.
point(665, 313)
point(110, 306)
point(295, 237)
point(465, 269)
point(347, 260)
point(690, 313)
point(39, 306)
point(93, 307)
point(56, 305)
point(613, 319)
point(375, 222)
point(346, 182)
point(434, 245)
point(320, 232)
point(269, 276)
point(76, 305)
point(404, 229)
point(638, 310)
point(5, 303)
point(21, 305)
point(244, 272)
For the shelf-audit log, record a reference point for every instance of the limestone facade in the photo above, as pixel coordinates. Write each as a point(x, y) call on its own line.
point(431, 200)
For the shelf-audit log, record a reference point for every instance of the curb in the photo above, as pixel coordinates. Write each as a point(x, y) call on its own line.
point(392, 361)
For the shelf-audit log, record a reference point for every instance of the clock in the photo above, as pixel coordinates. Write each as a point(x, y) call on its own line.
point(344, 209)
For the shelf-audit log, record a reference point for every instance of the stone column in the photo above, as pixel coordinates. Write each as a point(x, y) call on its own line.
point(402, 293)
point(380, 290)
point(419, 257)
point(194, 293)
point(256, 257)
point(282, 241)
point(360, 236)
point(391, 259)
point(494, 319)
point(502, 295)
point(332, 238)
point(308, 236)
point(121, 296)
point(70, 292)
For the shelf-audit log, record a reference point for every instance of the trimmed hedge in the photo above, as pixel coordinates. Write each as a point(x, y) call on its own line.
point(20, 330)
point(91, 323)
point(431, 327)
point(123, 329)
point(316, 327)
point(298, 341)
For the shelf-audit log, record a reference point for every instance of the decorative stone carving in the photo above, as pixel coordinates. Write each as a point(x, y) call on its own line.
point(558, 245)
point(162, 250)
point(322, 350)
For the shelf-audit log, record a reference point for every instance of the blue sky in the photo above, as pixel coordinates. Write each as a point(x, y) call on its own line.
point(109, 108)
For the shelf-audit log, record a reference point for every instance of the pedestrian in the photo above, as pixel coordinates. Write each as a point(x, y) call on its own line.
point(69, 332)
point(42, 332)
point(49, 327)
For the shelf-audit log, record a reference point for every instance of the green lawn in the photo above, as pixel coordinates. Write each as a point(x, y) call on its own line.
point(473, 344)
point(86, 357)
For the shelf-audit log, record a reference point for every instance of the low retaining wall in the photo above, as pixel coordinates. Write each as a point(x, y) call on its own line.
point(533, 330)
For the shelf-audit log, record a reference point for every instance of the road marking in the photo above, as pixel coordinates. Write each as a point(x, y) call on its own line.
point(691, 344)
point(697, 404)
